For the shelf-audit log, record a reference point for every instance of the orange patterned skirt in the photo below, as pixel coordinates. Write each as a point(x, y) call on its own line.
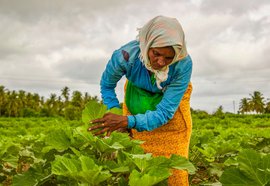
point(171, 138)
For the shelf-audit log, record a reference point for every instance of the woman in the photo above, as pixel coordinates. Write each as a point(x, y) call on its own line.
point(157, 92)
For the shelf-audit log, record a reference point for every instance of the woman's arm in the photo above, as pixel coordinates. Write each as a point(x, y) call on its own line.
point(114, 71)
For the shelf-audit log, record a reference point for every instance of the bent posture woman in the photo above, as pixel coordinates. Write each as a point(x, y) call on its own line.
point(157, 92)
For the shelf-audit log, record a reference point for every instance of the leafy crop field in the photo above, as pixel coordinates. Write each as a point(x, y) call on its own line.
point(225, 150)
point(230, 149)
point(52, 151)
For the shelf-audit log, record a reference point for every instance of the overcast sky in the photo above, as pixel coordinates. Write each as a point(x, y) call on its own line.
point(46, 45)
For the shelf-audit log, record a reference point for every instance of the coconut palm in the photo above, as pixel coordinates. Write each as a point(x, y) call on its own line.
point(244, 106)
point(65, 93)
point(51, 105)
point(12, 104)
point(257, 102)
point(77, 99)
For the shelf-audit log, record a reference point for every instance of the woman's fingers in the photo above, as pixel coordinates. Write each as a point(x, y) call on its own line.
point(102, 131)
point(108, 133)
point(99, 120)
point(97, 126)
point(109, 123)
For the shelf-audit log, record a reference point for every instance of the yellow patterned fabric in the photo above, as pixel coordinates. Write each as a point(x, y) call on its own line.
point(171, 138)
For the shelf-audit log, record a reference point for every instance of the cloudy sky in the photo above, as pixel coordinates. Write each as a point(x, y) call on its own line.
point(46, 45)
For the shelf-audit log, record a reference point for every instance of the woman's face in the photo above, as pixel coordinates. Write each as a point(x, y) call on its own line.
point(160, 57)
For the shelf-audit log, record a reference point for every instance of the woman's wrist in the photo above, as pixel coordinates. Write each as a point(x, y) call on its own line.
point(125, 121)
point(131, 121)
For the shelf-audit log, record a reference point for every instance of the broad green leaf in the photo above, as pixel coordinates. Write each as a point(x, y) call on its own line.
point(152, 177)
point(64, 166)
point(84, 170)
point(93, 110)
point(234, 177)
point(141, 160)
point(160, 161)
point(116, 167)
point(29, 178)
point(255, 166)
point(125, 140)
point(84, 134)
point(103, 147)
point(58, 139)
point(115, 110)
point(253, 169)
point(121, 138)
point(179, 162)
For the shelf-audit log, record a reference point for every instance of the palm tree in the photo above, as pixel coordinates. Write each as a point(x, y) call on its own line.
point(22, 101)
point(244, 105)
point(257, 102)
point(77, 100)
point(36, 102)
point(51, 105)
point(60, 106)
point(219, 112)
point(65, 93)
point(13, 104)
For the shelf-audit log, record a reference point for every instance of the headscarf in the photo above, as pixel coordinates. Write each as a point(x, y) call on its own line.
point(161, 31)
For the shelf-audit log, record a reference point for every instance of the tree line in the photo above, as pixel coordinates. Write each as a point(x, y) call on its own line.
point(70, 104)
point(256, 103)
point(25, 104)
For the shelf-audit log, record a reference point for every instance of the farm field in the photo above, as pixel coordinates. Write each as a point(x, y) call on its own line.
point(52, 151)
point(238, 144)
point(221, 146)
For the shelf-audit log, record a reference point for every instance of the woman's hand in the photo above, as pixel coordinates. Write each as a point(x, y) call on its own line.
point(109, 123)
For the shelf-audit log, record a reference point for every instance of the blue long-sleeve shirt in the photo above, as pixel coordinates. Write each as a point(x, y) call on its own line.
point(126, 62)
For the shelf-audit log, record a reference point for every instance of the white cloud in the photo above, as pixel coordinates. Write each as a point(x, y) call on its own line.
point(46, 45)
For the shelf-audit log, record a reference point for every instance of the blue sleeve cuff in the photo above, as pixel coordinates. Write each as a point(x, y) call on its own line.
point(131, 121)
point(112, 105)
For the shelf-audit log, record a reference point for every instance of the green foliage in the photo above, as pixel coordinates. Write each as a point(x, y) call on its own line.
point(254, 104)
point(31, 147)
point(31, 177)
point(93, 110)
point(253, 168)
point(216, 143)
point(25, 104)
point(82, 169)
point(116, 110)
point(58, 139)
point(67, 154)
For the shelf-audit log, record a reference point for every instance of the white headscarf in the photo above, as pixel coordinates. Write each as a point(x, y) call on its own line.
point(161, 31)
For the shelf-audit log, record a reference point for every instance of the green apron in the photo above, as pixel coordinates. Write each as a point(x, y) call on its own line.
point(139, 100)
